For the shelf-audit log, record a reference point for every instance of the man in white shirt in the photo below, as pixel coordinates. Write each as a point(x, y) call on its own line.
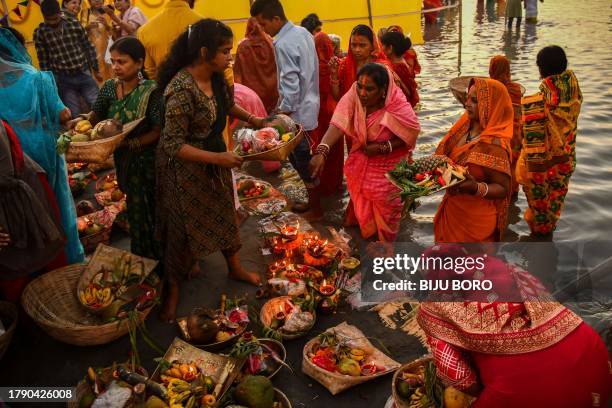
point(298, 85)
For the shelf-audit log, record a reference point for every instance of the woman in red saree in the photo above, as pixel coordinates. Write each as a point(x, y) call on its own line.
point(31, 233)
point(383, 128)
point(410, 56)
point(476, 209)
point(331, 177)
point(499, 69)
point(395, 46)
point(255, 64)
point(364, 47)
point(522, 350)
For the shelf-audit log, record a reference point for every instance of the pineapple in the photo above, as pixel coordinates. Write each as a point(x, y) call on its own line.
point(428, 163)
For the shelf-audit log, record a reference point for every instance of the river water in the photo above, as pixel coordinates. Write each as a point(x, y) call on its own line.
point(584, 30)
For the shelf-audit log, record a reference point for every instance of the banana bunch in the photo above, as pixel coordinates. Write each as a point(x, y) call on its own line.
point(419, 399)
point(83, 126)
point(182, 394)
point(95, 297)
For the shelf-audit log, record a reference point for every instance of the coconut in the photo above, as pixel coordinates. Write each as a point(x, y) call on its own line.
point(84, 207)
point(107, 128)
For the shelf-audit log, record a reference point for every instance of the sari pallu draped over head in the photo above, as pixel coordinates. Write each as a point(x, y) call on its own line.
point(30, 104)
point(347, 71)
point(469, 218)
point(372, 195)
point(255, 64)
point(499, 69)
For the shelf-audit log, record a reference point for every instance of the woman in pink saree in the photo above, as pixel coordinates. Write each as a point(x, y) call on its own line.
point(383, 128)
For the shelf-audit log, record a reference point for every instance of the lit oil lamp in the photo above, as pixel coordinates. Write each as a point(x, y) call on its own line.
point(279, 319)
point(290, 232)
point(329, 298)
point(273, 269)
point(326, 289)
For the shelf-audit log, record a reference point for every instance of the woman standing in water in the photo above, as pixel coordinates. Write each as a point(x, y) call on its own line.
point(196, 213)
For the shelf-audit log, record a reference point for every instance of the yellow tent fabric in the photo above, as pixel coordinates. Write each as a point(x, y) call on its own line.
point(339, 16)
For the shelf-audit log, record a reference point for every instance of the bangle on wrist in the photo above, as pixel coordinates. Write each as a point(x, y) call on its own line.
point(249, 119)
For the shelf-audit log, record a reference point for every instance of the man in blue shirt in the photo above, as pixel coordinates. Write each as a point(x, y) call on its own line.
point(298, 85)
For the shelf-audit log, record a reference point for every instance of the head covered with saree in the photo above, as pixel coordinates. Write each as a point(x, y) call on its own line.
point(495, 115)
point(492, 149)
point(35, 120)
point(397, 115)
point(325, 52)
point(255, 64)
point(348, 68)
point(499, 69)
point(518, 315)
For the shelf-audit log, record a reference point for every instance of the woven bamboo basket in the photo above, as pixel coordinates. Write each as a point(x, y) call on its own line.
point(270, 307)
point(104, 257)
point(280, 153)
point(91, 242)
point(51, 302)
point(98, 151)
point(8, 315)
point(400, 402)
point(459, 85)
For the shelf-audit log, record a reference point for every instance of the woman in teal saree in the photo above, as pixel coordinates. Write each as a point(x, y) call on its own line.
point(126, 98)
point(29, 103)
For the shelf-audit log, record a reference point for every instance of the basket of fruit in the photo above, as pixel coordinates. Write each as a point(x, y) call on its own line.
point(112, 277)
point(287, 317)
point(50, 301)
point(249, 189)
point(191, 374)
point(273, 143)
point(416, 385)
point(343, 357)
point(93, 144)
point(94, 228)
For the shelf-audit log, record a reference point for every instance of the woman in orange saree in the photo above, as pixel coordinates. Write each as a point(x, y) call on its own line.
point(255, 64)
point(383, 128)
point(331, 178)
point(524, 349)
point(476, 209)
point(499, 69)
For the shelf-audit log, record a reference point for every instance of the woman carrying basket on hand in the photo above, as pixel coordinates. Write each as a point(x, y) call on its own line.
point(126, 98)
point(196, 213)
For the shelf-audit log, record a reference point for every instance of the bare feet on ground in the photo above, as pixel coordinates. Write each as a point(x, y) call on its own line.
point(237, 272)
point(168, 310)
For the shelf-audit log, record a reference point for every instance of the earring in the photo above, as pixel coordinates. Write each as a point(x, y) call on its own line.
point(140, 76)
